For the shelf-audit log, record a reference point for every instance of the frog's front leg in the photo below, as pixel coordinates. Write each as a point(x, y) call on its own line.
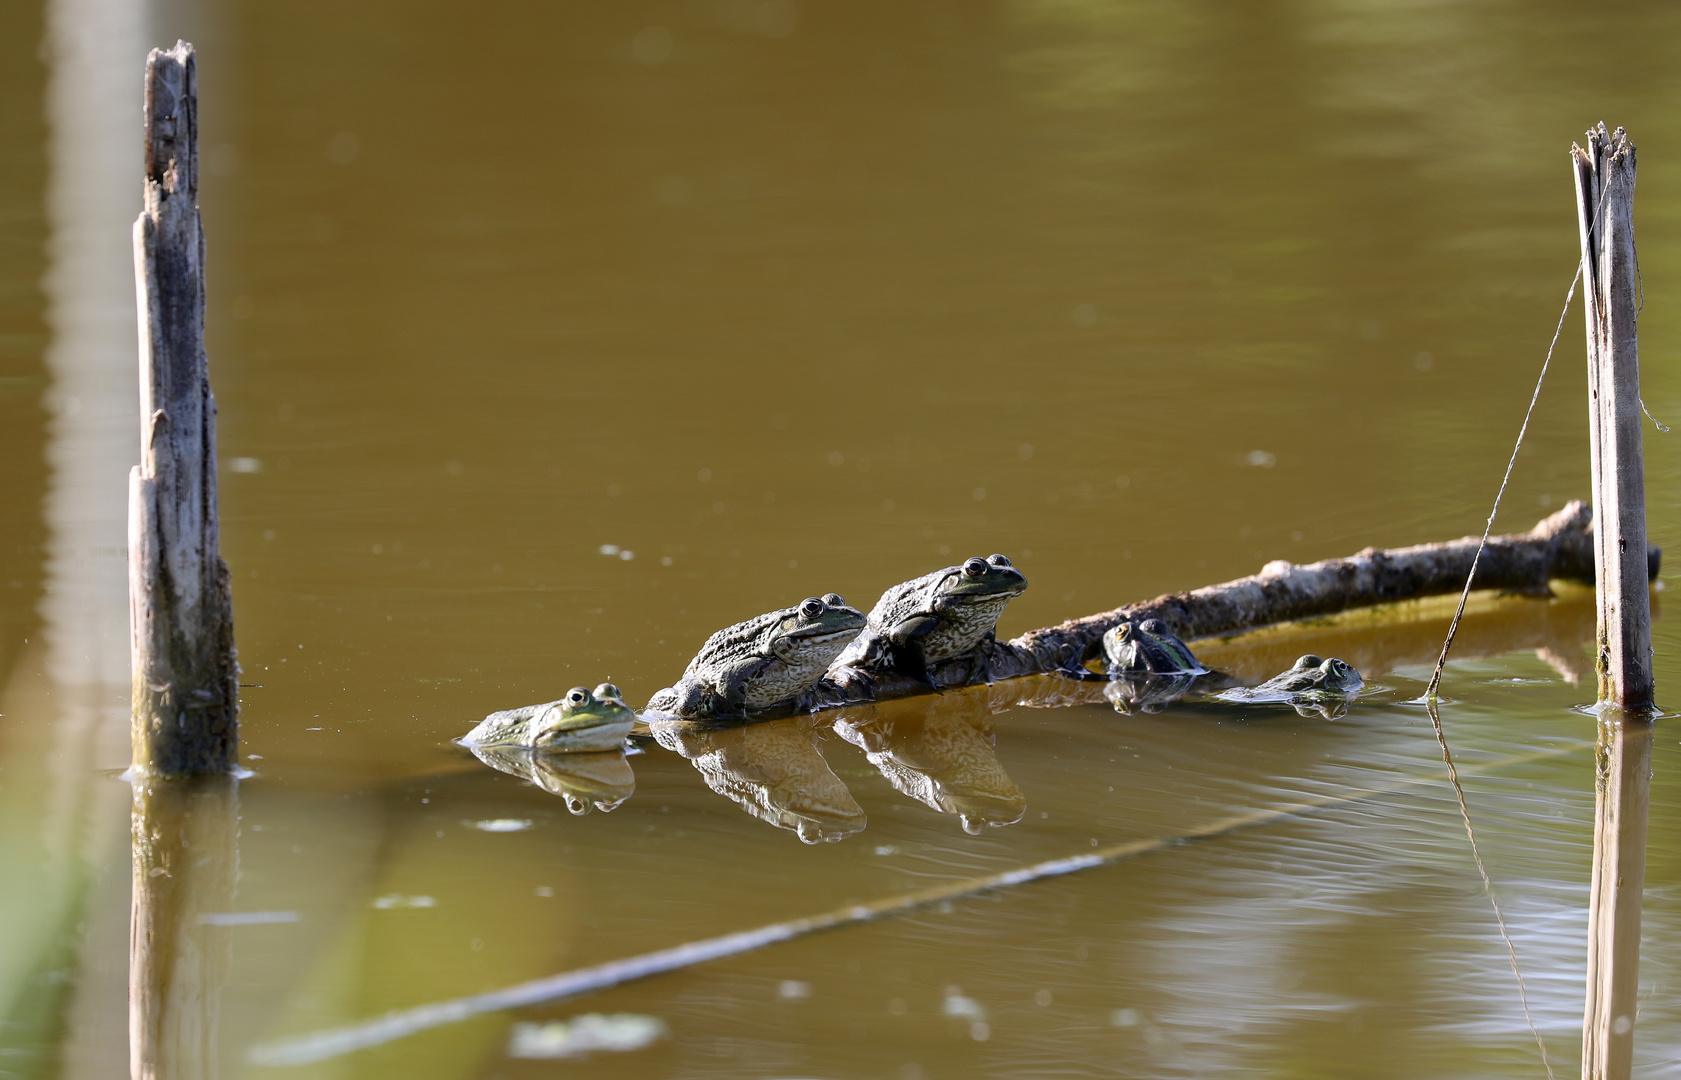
point(730, 690)
point(907, 645)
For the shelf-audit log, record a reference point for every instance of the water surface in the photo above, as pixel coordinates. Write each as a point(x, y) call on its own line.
point(776, 300)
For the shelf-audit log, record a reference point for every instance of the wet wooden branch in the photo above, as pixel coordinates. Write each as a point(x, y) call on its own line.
point(185, 697)
point(1559, 547)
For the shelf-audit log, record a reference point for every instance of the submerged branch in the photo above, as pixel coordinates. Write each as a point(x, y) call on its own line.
point(1559, 547)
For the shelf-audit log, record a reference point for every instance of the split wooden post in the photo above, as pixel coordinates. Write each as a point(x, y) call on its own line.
point(1605, 206)
point(186, 684)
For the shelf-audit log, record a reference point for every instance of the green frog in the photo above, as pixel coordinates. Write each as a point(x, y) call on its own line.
point(936, 617)
point(765, 661)
point(1144, 647)
point(1312, 685)
point(582, 720)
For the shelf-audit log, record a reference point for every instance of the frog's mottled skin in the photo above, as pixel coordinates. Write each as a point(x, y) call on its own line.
point(1147, 647)
point(1312, 685)
point(936, 617)
point(766, 661)
point(582, 720)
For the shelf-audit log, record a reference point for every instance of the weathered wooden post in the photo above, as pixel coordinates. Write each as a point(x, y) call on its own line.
point(185, 697)
point(186, 685)
point(1605, 205)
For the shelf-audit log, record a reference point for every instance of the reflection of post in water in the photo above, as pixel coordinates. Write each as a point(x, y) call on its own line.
point(939, 752)
point(186, 859)
point(602, 779)
point(1619, 876)
point(773, 770)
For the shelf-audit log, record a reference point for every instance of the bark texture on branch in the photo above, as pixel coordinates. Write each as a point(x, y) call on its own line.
point(185, 697)
point(1559, 547)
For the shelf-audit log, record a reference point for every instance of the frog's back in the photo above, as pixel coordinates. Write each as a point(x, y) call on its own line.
point(904, 600)
point(735, 642)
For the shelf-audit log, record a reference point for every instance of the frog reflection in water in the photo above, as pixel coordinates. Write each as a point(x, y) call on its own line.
point(768, 660)
point(601, 780)
point(582, 720)
point(937, 617)
point(773, 771)
point(1313, 685)
point(940, 753)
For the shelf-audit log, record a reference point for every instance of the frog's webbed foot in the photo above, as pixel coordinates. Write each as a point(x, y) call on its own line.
point(696, 701)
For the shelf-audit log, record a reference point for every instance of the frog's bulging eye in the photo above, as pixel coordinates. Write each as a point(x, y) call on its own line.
point(998, 560)
point(1153, 626)
point(608, 690)
point(834, 600)
point(577, 696)
point(811, 607)
point(975, 567)
point(1308, 661)
point(1123, 631)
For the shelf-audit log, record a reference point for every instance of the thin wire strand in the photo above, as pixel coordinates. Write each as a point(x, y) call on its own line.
point(1488, 886)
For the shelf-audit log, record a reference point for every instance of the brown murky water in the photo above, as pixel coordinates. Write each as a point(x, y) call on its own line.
point(774, 299)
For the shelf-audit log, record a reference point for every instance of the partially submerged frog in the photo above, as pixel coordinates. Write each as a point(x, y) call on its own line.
point(582, 720)
point(765, 661)
point(936, 617)
point(1312, 685)
point(1143, 647)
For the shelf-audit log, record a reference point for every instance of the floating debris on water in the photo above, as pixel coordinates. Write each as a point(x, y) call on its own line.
point(584, 1034)
point(504, 824)
point(398, 900)
point(247, 918)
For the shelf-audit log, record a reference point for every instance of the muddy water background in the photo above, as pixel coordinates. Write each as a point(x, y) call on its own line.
point(785, 300)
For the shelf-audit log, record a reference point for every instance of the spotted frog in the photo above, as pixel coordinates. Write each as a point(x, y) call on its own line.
point(937, 617)
point(768, 660)
point(1312, 685)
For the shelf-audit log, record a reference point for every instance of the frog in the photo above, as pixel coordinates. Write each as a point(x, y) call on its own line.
point(937, 617)
point(583, 720)
point(766, 661)
point(1312, 684)
point(1145, 647)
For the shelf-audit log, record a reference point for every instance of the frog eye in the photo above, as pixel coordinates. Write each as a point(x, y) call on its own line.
point(1123, 631)
point(975, 567)
point(811, 607)
point(577, 696)
point(834, 600)
point(1153, 626)
point(608, 690)
point(1309, 661)
point(998, 560)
